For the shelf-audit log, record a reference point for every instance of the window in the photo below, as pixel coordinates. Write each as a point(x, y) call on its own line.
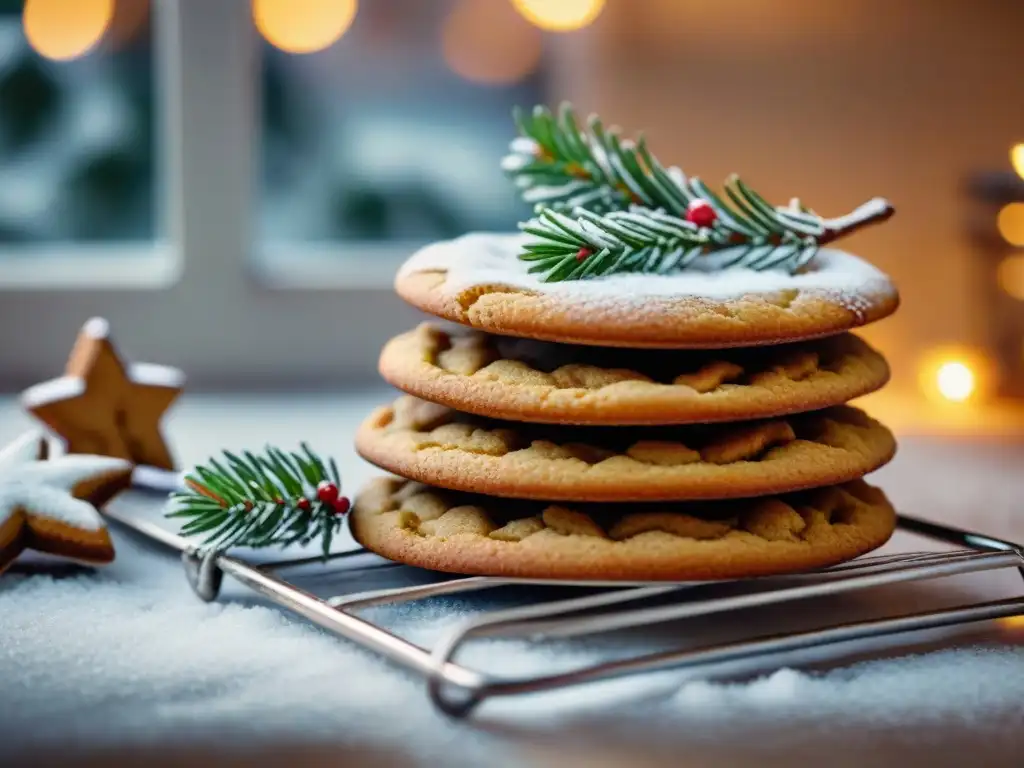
point(356, 154)
point(389, 138)
point(76, 137)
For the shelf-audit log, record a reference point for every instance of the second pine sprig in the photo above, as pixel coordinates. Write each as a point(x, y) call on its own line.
point(275, 499)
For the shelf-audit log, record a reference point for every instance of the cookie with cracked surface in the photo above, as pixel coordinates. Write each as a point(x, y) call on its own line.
point(478, 535)
point(535, 381)
point(477, 280)
point(434, 444)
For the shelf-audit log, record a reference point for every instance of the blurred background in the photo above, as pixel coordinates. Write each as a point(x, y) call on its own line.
point(233, 184)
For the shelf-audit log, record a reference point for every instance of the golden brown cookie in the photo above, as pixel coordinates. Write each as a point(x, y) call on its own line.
point(442, 447)
point(55, 501)
point(477, 280)
point(471, 534)
point(106, 407)
point(12, 535)
point(527, 380)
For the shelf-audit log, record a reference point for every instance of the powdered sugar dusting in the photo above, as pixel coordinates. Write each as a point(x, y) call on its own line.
point(479, 259)
point(922, 692)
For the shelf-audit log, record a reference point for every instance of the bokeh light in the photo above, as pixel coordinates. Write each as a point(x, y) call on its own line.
point(485, 41)
point(1017, 159)
point(1010, 275)
point(62, 30)
point(955, 381)
point(560, 15)
point(1010, 222)
point(955, 375)
point(303, 26)
point(1015, 623)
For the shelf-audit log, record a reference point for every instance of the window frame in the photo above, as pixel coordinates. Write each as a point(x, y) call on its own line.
point(167, 299)
point(294, 317)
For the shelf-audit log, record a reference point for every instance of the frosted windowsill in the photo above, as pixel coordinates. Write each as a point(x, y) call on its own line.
point(74, 266)
point(329, 266)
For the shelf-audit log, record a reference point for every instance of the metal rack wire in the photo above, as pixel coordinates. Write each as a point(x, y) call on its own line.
point(457, 688)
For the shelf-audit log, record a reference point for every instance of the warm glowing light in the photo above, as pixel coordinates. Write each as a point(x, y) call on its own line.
point(1011, 276)
point(1011, 223)
point(560, 15)
point(1013, 622)
point(303, 26)
point(61, 30)
point(485, 41)
point(1017, 158)
point(956, 375)
point(955, 381)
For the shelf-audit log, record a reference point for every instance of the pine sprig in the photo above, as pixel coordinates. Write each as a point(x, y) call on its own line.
point(605, 206)
point(642, 240)
point(273, 499)
point(558, 165)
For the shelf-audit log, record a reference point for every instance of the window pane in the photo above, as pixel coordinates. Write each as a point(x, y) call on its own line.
point(377, 138)
point(76, 121)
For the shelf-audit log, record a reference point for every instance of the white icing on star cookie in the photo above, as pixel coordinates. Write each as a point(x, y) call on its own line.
point(27, 448)
point(44, 488)
point(30, 446)
point(486, 259)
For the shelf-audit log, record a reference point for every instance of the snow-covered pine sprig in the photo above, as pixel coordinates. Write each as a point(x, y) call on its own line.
point(712, 234)
point(606, 205)
point(560, 166)
point(273, 499)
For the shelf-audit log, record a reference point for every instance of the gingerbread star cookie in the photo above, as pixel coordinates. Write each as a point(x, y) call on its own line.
point(50, 505)
point(103, 406)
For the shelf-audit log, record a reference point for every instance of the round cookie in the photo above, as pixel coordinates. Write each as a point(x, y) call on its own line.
point(442, 447)
point(535, 381)
point(477, 280)
point(470, 534)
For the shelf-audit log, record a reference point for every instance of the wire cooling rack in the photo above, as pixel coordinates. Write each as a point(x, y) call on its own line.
point(457, 688)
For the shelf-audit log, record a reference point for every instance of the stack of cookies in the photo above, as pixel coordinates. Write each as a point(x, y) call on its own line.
point(628, 428)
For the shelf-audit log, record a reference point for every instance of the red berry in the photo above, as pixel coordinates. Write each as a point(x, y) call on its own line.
point(701, 213)
point(303, 504)
point(279, 501)
point(341, 505)
point(583, 254)
point(327, 492)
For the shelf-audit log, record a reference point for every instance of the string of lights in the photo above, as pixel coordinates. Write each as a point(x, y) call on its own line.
point(487, 41)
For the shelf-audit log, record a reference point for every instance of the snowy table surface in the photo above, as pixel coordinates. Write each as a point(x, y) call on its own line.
point(125, 665)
